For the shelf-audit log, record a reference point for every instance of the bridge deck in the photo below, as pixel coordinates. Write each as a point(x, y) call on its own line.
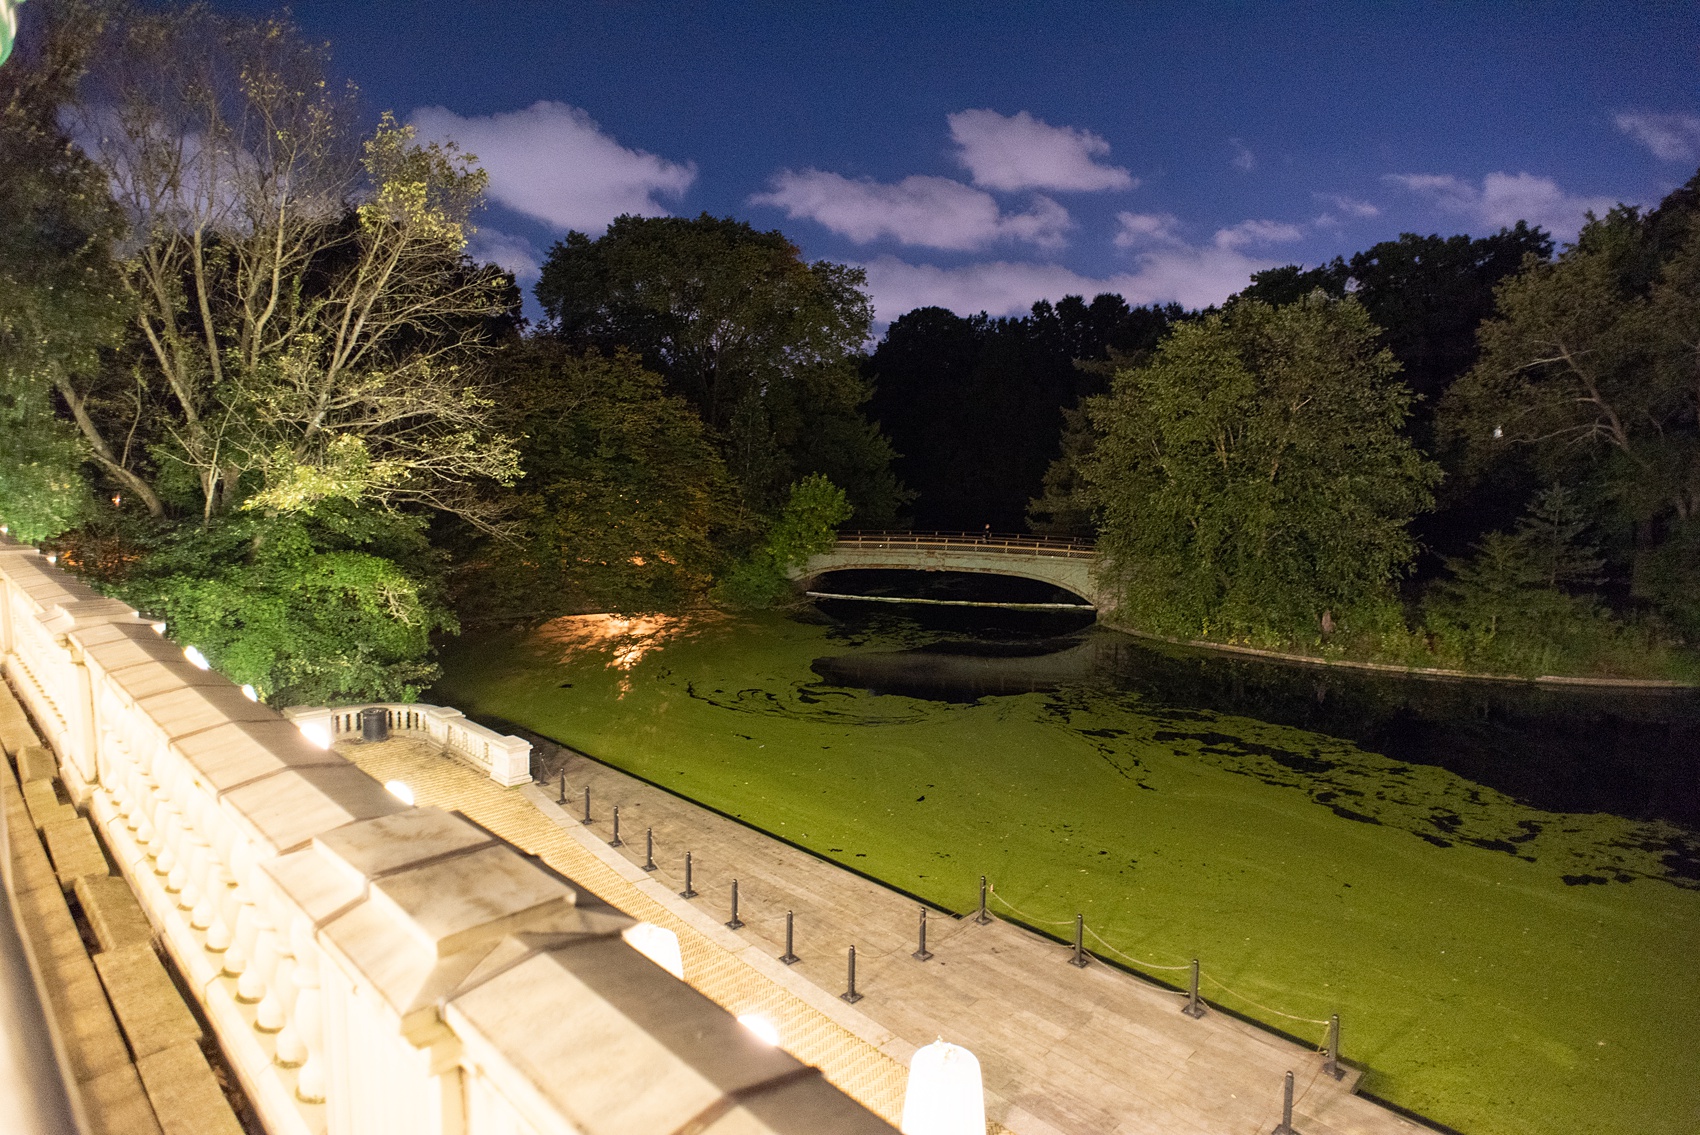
point(1093, 1051)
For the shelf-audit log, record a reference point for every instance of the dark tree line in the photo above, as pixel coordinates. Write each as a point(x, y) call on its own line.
point(975, 406)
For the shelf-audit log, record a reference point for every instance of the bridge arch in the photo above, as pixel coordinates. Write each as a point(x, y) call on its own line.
point(1066, 564)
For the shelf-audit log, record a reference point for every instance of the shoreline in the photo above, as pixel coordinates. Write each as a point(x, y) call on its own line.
point(1658, 685)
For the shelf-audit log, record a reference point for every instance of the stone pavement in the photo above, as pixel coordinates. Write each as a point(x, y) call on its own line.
point(1087, 1051)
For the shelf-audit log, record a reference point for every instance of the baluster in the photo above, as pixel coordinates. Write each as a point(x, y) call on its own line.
point(256, 978)
point(308, 1018)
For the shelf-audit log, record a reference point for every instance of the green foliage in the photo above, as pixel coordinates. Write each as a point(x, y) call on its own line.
point(58, 292)
point(974, 404)
point(762, 343)
point(1588, 374)
point(624, 504)
point(1253, 475)
point(807, 526)
point(1521, 604)
point(334, 605)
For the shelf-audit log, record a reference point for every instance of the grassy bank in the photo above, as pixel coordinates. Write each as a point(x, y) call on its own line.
point(1477, 984)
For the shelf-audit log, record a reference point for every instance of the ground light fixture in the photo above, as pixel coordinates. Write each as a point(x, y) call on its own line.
point(658, 944)
point(249, 692)
point(765, 1030)
point(196, 658)
point(944, 1095)
point(400, 791)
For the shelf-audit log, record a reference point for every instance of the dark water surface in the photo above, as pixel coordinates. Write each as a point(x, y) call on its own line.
point(1630, 753)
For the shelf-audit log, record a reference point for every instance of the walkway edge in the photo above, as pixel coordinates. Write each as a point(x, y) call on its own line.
point(852, 1020)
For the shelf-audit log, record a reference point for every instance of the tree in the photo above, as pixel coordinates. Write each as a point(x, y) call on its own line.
point(59, 305)
point(1523, 601)
point(975, 404)
point(321, 605)
point(762, 343)
point(625, 504)
point(806, 526)
point(1253, 476)
point(1590, 371)
point(303, 320)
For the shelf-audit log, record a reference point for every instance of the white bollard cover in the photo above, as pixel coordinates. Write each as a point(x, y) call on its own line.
point(944, 1096)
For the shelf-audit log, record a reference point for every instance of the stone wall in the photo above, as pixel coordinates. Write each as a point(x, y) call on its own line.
point(370, 967)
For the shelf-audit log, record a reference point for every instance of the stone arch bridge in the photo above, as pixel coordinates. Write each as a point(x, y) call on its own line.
point(1062, 563)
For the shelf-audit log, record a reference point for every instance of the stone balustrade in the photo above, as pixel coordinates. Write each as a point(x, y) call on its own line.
point(507, 760)
point(371, 967)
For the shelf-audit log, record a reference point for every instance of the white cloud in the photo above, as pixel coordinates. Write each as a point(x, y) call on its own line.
point(1504, 199)
point(932, 212)
point(1671, 137)
point(1243, 160)
point(1136, 229)
point(1172, 271)
point(512, 253)
point(1023, 152)
point(1346, 207)
point(553, 162)
point(1257, 232)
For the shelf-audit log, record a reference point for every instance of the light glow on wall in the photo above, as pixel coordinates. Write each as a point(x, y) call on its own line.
point(196, 658)
point(400, 791)
point(315, 733)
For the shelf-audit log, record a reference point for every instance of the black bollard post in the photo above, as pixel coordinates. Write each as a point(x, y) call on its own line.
point(922, 954)
point(736, 923)
point(1286, 1127)
point(586, 819)
point(616, 841)
point(850, 994)
point(789, 957)
point(563, 800)
point(687, 893)
point(1332, 1064)
point(1193, 1008)
point(982, 918)
point(649, 849)
point(1079, 958)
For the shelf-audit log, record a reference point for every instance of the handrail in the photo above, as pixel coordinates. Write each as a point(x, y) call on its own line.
point(35, 1093)
point(1008, 543)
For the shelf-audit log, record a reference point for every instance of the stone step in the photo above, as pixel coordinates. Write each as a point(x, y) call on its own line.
point(185, 1093)
point(113, 912)
point(74, 850)
point(145, 999)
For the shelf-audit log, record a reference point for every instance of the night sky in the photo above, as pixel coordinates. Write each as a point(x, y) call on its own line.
point(981, 157)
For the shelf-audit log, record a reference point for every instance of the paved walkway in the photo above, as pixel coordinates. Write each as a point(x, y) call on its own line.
point(1064, 1050)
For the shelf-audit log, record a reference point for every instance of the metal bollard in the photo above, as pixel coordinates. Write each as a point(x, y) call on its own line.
point(921, 953)
point(850, 994)
point(687, 893)
point(1193, 1008)
point(1332, 1064)
point(982, 918)
point(736, 923)
point(789, 957)
point(1079, 958)
point(586, 819)
point(616, 841)
point(563, 800)
point(1286, 1127)
point(649, 849)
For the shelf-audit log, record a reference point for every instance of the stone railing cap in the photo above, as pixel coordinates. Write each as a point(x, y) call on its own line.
point(239, 753)
point(284, 812)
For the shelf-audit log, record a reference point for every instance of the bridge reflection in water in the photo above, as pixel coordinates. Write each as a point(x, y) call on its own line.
point(1063, 563)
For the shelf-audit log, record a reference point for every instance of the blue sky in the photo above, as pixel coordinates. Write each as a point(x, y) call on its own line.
point(983, 156)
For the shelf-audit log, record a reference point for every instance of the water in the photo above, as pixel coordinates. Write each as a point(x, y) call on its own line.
point(1495, 885)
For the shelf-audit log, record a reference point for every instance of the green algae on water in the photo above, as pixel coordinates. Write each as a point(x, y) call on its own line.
point(1498, 968)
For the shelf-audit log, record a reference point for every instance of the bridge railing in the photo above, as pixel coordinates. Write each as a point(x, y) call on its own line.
point(370, 968)
point(1004, 542)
